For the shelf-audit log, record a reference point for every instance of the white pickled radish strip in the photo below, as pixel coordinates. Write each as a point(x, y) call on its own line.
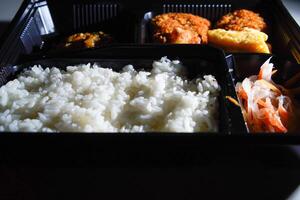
point(246, 84)
point(284, 101)
point(252, 78)
point(280, 101)
point(266, 70)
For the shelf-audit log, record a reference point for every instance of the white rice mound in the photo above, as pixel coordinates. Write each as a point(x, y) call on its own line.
point(87, 98)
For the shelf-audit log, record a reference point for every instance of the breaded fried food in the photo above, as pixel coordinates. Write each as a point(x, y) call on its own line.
point(87, 40)
point(248, 40)
point(180, 28)
point(240, 19)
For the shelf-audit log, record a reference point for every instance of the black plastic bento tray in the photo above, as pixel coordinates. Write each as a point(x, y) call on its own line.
point(24, 34)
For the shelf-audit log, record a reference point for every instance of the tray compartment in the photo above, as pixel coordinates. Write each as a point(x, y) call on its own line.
point(210, 61)
point(47, 23)
point(40, 24)
point(88, 16)
point(244, 65)
point(277, 31)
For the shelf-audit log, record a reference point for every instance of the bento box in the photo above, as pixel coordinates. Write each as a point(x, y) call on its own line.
point(39, 26)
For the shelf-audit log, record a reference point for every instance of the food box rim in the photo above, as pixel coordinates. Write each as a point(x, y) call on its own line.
point(177, 138)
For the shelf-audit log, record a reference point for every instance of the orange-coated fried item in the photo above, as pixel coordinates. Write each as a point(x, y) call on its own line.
point(240, 19)
point(180, 28)
point(87, 40)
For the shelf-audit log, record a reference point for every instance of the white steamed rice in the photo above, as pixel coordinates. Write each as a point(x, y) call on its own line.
point(87, 98)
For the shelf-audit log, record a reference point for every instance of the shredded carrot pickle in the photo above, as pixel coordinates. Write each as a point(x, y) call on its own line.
point(265, 107)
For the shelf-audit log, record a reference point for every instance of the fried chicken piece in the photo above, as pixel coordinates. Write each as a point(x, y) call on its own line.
point(247, 40)
point(87, 40)
point(180, 28)
point(240, 19)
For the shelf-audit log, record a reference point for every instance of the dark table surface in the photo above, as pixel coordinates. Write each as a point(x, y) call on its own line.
point(209, 172)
